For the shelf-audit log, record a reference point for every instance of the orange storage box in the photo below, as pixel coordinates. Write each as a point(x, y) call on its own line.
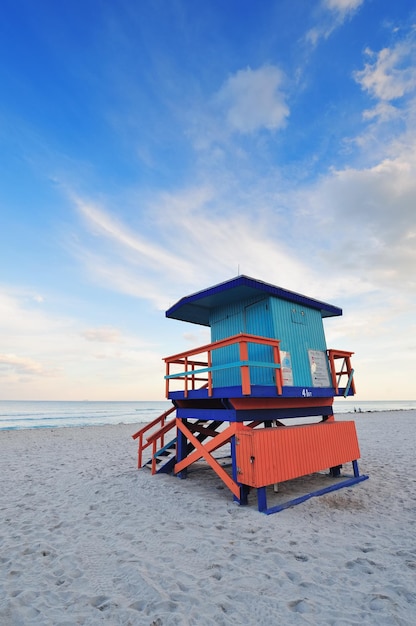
point(273, 455)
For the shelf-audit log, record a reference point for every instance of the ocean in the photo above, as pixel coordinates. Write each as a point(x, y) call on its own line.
point(17, 415)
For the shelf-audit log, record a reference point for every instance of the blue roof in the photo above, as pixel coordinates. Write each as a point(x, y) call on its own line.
point(196, 308)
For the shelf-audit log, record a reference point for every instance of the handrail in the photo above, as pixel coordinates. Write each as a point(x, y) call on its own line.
point(159, 433)
point(345, 370)
point(190, 373)
point(140, 434)
point(153, 439)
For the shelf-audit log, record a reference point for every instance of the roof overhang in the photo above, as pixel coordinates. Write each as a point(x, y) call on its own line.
point(196, 308)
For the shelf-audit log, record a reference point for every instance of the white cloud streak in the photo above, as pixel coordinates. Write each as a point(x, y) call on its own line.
point(104, 334)
point(21, 365)
point(213, 239)
point(343, 6)
point(331, 14)
point(110, 227)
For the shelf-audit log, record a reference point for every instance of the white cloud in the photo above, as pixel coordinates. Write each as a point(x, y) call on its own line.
point(121, 275)
point(104, 224)
point(382, 112)
point(103, 334)
point(343, 6)
point(21, 365)
point(254, 99)
point(370, 214)
point(331, 14)
point(392, 74)
point(389, 79)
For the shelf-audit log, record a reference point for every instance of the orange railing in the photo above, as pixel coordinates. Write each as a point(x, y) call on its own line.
point(154, 438)
point(159, 421)
point(345, 369)
point(193, 371)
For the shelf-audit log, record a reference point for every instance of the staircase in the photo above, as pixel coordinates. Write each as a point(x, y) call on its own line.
point(164, 459)
point(163, 456)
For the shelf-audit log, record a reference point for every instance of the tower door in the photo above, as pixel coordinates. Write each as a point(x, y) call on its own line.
point(258, 321)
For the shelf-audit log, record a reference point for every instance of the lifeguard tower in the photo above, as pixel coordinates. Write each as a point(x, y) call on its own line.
point(266, 365)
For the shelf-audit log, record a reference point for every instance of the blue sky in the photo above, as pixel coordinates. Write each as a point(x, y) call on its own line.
point(152, 149)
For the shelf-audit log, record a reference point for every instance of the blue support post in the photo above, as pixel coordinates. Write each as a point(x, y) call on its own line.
point(355, 468)
point(262, 499)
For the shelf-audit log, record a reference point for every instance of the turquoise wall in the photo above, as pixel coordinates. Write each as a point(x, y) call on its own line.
point(225, 322)
point(299, 329)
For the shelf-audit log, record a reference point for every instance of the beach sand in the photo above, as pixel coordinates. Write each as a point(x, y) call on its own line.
point(86, 538)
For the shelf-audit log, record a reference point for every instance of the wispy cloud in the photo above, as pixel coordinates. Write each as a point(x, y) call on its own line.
point(103, 334)
point(213, 234)
point(40, 345)
point(110, 227)
point(342, 7)
point(22, 365)
point(330, 15)
point(119, 257)
point(225, 235)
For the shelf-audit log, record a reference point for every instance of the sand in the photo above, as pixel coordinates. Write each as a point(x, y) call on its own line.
point(86, 538)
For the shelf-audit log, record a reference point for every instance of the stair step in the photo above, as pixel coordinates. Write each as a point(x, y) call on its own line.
point(171, 445)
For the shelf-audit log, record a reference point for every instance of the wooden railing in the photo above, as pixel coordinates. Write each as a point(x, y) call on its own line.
point(198, 370)
point(344, 370)
point(160, 435)
point(142, 443)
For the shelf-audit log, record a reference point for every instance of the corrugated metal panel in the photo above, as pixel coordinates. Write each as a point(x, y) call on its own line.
point(273, 455)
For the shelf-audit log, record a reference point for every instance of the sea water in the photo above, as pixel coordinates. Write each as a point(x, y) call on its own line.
point(15, 415)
